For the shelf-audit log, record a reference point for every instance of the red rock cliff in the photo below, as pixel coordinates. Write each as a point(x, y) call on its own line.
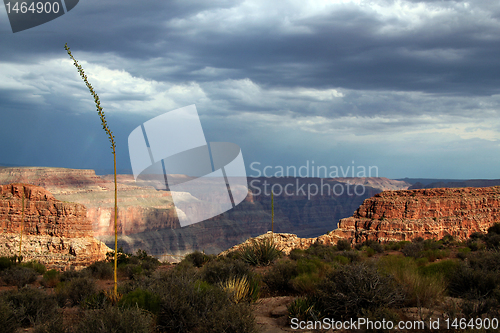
point(56, 233)
point(427, 213)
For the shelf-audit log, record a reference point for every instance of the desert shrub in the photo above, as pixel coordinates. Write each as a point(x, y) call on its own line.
point(433, 254)
point(476, 235)
point(36, 266)
point(417, 240)
point(477, 308)
point(188, 305)
point(221, 270)
point(343, 245)
point(260, 253)
point(303, 308)
point(493, 241)
point(369, 251)
point(310, 272)
point(297, 254)
point(489, 260)
point(31, 306)
point(305, 283)
point(395, 246)
point(19, 276)
point(343, 260)
point(418, 289)
point(371, 244)
point(494, 229)
point(279, 276)
point(101, 270)
point(74, 274)
point(321, 251)
point(447, 239)
point(54, 324)
point(198, 258)
point(8, 320)
point(51, 278)
point(413, 249)
point(431, 244)
point(5, 263)
point(349, 290)
point(75, 290)
point(443, 268)
point(114, 319)
point(474, 283)
point(353, 256)
point(143, 299)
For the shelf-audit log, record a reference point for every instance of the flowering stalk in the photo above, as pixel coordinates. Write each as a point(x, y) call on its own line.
point(111, 137)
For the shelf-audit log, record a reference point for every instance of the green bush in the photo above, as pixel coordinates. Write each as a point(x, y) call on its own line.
point(5, 263)
point(114, 319)
point(188, 305)
point(74, 274)
point(8, 320)
point(443, 268)
point(36, 266)
point(343, 245)
point(297, 254)
point(75, 290)
point(494, 229)
point(413, 249)
point(279, 276)
point(260, 253)
point(473, 282)
point(321, 251)
point(51, 278)
point(19, 276)
point(101, 270)
point(418, 289)
point(197, 258)
point(371, 244)
point(143, 299)
point(349, 290)
point(221, 270)
point(31, 306)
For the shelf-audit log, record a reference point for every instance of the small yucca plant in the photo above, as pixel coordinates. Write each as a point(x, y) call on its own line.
point(260, 253)
point(111, 137)
point(237, 287)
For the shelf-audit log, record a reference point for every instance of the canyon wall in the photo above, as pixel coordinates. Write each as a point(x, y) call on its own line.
point(308, 207)
point(405, 215)
point(56, 233)
point(427, 213)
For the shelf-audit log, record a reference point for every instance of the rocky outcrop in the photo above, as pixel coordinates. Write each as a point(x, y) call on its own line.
point(427, 213)
point(56, 233)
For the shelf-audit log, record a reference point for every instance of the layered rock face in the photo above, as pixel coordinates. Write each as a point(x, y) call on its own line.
point(56, 233)
point(147, 219)
point(427, 213)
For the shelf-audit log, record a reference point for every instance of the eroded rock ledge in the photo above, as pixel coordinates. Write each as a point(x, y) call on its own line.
point(56, 233)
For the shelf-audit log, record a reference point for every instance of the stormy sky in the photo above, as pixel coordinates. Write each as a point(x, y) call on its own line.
point(411, 87)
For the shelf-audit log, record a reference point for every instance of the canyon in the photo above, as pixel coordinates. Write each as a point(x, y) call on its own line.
point(147, 220)
point(57, 234)
point(404, 215)
point(68, 207)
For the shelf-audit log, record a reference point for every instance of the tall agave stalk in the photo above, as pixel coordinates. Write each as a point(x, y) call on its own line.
point(111, 137)
point(22, 225)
